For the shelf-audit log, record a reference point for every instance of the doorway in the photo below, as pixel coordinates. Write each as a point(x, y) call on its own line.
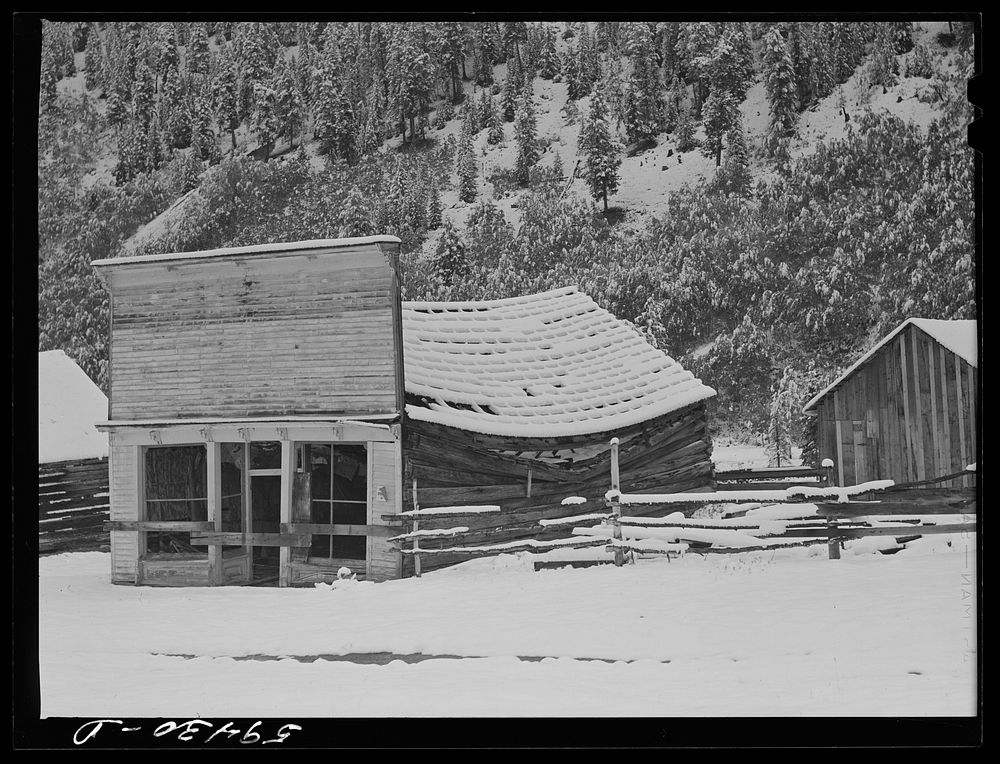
point(265, 508)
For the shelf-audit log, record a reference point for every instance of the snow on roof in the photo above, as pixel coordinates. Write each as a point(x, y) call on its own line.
point(543, 365)
point(69, 404)
point(253, 250)
point(959, 337)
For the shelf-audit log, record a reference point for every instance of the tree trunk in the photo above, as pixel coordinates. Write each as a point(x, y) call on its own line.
point(604, 191)
point(718, 154)
point(232, 134)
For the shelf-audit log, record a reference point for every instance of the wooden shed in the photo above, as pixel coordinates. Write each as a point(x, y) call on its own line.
point(905, 410)
point(261, 430)
point(72, 456)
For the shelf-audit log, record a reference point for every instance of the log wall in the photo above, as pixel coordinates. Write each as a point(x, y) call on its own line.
point(908, 414)
point(455, 467)
point(73, 504)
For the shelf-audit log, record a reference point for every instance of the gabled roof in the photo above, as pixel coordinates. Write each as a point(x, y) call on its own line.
point(69, 405)
point(959, 337)
point(544, 365)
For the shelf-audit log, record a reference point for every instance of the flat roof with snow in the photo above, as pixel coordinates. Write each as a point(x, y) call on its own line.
point(544, 365)
point(295, 247)
point(69, 405)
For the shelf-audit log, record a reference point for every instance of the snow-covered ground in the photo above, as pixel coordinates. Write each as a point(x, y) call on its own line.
point(786, 633)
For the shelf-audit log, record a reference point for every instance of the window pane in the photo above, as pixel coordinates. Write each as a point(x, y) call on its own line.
point(176, 472)
point(265, 455)
point(176, 483)
point(231, 468)
point(350, 547)
point(350, 473)
point(350, 514)
point(320, 457)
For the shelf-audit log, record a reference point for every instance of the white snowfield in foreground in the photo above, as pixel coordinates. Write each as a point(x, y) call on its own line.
point(786, 633)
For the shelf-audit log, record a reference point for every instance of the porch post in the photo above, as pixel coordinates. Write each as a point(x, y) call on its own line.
point(287, 478)
point(215, 573)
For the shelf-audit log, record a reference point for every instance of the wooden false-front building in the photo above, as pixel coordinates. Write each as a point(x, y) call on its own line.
point(906, 410)
point(261, 430)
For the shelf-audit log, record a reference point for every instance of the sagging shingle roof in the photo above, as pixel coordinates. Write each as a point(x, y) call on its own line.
point(543, 365)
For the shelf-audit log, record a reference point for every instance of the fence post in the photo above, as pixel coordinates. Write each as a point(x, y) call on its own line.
point(828, 471)
point(616, 510)
point(833, 543)
point(416, 539)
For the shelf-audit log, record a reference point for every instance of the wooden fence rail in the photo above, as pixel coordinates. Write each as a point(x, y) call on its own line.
point(73, 504)
point(831, 514)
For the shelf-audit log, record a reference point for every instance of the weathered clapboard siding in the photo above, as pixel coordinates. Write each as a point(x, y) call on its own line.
point(254, 336)
point(124, 489)
point(905, 415)
point(385, 472)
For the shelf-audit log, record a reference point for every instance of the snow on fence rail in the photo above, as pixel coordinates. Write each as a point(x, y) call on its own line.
point(790, 517)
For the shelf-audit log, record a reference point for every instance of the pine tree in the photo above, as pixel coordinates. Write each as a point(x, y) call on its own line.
point(203, 138)
point(685, 129)
point(848, 49)
point(883, 66)
point(643, 98)
point(225, 95)
point(287, 104)
point(735, 175)
point(599, 150)
point(720, 113)
point(334, 121)
point(465, 163)
point(174, 115)
point(256, 51)
point(800, 52)
point(452, 51)
point(780, 85)
point(434, 207)
point(515, 34)
point(549, 66)
point(525, 134)
point(143, 97)
point(822, 64)
point(695, 42)
point(495, 132)
point(264, 123)
point(572, 74)
point(512, 88)
point(94, 62)
point(450, 259)
point(167, 57)
point(197, 51)
point(355, 215)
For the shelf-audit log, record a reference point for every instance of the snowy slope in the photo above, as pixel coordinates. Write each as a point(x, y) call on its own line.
point(69, 404)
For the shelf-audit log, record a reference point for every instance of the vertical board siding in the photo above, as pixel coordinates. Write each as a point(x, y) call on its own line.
point(960, 413)
point(947, 423)
point(383, 559)
point(254, 337)
point(937, 440)
point(908, 414)
point(124, 485)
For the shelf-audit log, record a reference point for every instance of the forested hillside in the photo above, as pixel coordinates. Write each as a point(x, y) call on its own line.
point(762, 201)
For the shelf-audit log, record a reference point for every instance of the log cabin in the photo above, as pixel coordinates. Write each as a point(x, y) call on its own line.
point(272, 409)
point(906, 409)
point(72, 457)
